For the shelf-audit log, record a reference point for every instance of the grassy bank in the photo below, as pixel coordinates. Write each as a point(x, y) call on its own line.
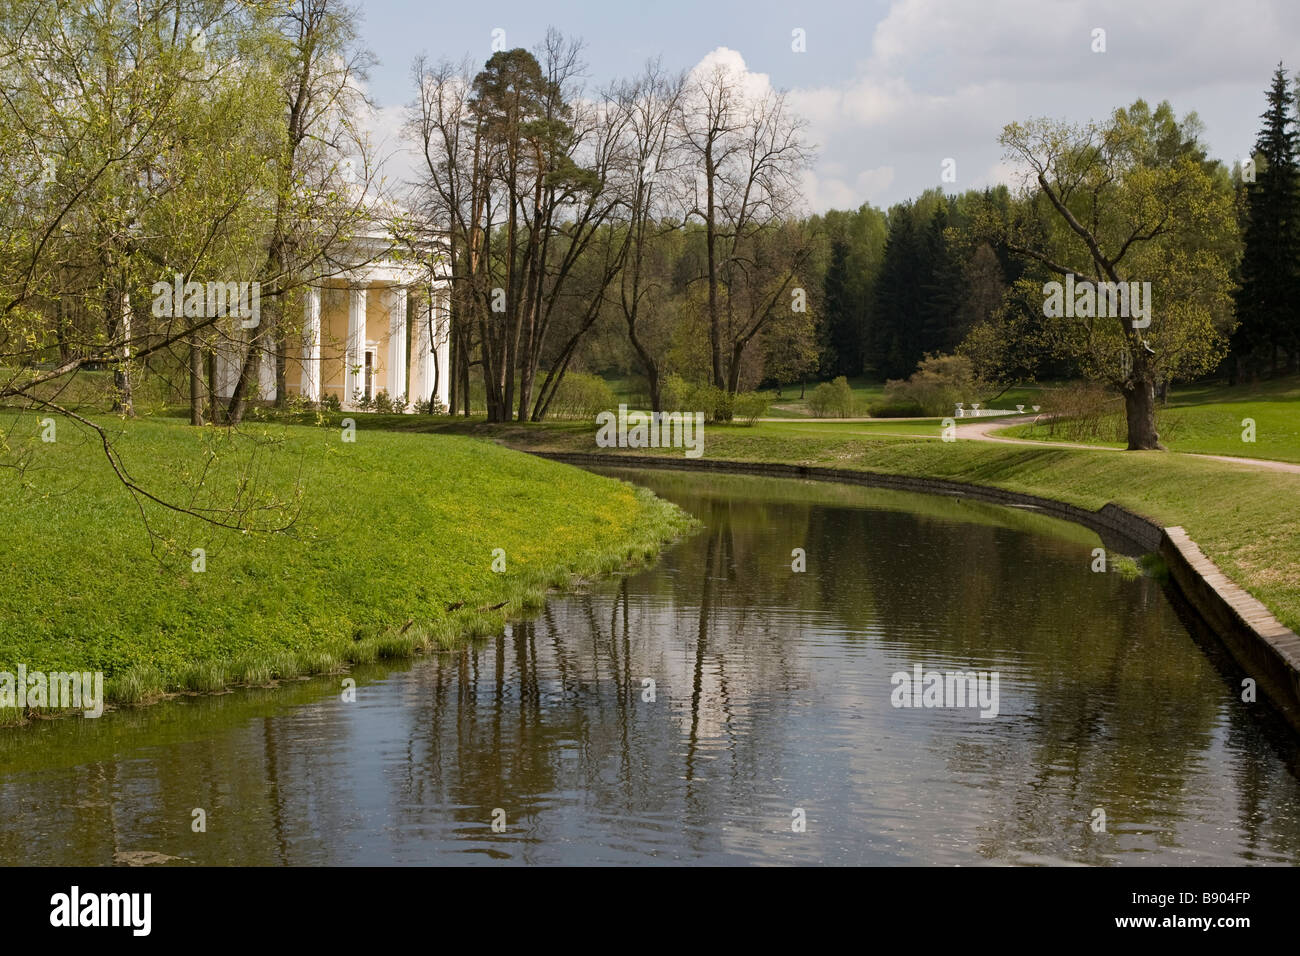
point(389, 548)
point(1208, 420)
point(1244, 518)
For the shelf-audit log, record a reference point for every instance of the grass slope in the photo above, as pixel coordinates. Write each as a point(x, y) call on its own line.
point(389, 529)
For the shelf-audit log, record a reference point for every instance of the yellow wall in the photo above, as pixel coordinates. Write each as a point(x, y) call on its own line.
point(334, 332)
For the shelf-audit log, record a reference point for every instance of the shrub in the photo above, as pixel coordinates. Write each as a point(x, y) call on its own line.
point(937, 385)
point(383, 404)
point(582, 396)
point(750, 406)
point(679, 395)
point(331, 403)
point(833, 399)
point(819, 402)
point(423, 406)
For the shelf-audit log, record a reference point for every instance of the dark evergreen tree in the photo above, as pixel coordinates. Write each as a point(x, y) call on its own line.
point(843, 317)
point(894, 342)
point(942, 323)
point(1269, 288)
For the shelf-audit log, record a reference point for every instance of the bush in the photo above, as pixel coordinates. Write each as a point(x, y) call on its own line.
point(750, 406)
point(679, 395)
point(582, 396)
point(833, 399)
point(331, 403)
point(819, 402)
point(423, 407)
point(937, 385)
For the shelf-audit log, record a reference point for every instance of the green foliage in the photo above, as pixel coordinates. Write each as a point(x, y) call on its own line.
point(833, 399)
point(582, 396)
point(1156, 210)
point(423, 407)
point(678, 395)
point(750, 406)
point(937, 385)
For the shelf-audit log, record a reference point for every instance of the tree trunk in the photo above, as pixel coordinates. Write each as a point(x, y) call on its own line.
point(464, 381)
point(214, 403)
point(282, 371)
point(249, 375)
point(1140, 411)
point(453, 367)
point(710, 241)
point(437, 375)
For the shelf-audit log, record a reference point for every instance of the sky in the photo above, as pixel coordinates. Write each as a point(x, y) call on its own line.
point(890, 88)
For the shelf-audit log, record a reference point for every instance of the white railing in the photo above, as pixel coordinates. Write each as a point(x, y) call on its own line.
point(974, 411)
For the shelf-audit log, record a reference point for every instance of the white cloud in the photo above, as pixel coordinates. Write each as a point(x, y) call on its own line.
point(943, 78)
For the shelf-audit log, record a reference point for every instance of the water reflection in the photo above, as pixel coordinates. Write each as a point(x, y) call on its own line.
point(771, 694)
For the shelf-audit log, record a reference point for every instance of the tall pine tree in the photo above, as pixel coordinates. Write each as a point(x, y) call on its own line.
point(843, 319)
point(1269, 290)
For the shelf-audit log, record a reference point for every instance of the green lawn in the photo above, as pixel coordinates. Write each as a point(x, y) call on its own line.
point(388, 529)
point(1210, 420)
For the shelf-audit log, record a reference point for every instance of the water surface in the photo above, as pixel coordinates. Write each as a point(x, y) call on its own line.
point(772, 695)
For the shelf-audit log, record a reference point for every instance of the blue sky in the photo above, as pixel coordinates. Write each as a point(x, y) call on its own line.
point(892, 88)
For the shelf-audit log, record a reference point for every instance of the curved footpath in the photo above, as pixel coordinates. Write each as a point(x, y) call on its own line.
point(1265, 648)
point(983, 431)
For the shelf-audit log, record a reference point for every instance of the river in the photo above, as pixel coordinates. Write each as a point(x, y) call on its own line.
point(720, 707)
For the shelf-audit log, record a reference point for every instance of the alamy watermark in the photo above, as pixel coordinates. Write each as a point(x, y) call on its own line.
point(214, 300)
point(946, 689)
point(57, 690)
point(1085, 299)
point(75, 908)
point(651, 430)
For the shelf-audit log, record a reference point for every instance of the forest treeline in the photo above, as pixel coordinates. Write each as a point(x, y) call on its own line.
point(652, 228)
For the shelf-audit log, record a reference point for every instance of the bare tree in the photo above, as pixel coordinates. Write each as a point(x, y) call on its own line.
point(746, 151)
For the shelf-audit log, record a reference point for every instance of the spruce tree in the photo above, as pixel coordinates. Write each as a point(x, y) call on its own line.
point(1269, 290)
point(843, 318)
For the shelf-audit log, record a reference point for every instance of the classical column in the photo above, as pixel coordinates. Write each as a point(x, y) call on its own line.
point(397, 342)
point(354, 371)
point(229, 360)
point(266, 374)
point(311, 346)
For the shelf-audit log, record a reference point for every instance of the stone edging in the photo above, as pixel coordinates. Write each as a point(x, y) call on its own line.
point(1264, 647)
